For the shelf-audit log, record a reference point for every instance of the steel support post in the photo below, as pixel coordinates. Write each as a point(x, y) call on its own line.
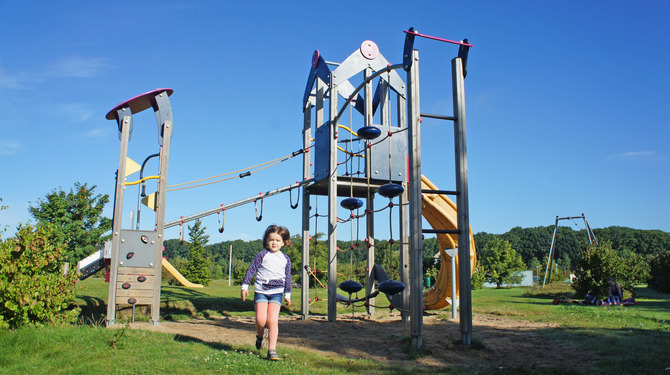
point(369, 204)
point(550, 257)
point(404, 222)
point(332, 204)
point(163, 112)
point(125, 121)
point(306, 157)
point(415, 235)
point(464, 274)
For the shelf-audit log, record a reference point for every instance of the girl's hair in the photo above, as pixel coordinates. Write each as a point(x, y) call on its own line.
point(282, 231)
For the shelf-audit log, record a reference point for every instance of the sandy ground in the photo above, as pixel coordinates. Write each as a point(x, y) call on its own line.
point(498, 342)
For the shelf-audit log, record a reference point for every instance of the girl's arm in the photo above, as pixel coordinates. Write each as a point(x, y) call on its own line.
point(287, 282)
point(251, 271)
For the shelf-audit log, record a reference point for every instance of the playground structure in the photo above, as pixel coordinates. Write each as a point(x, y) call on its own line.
point(137, 256)
point(550, 257)
point(392, 168)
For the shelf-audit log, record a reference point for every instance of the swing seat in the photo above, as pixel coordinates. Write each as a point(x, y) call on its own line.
point(351, 203)
point(390, 190)
point(369, 132)
point(391, 287)
point(351, 286)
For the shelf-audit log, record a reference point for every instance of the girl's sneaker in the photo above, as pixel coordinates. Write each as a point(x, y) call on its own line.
point(273, 356)
point(259, 342)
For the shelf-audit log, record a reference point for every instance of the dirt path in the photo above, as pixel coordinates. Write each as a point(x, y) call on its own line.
point(497, 341)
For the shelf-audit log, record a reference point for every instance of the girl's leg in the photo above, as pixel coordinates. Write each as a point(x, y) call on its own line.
point(261, 317)
point(273, 325)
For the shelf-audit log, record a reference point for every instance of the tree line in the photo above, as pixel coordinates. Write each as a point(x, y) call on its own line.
point(70, 226)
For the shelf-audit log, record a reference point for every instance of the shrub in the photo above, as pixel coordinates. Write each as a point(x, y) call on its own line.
point(33, 286)
point(597, 263)
point(478, 278)
point(660, 272)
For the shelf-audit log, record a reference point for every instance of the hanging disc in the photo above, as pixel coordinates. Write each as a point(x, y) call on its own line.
point(391, 287)
point(351, 286)
point(390, 190)
point(369, 132)
point(351, 203)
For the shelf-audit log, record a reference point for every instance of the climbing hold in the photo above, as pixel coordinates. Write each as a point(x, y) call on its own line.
point(391, 287)
point(351, 286)
point(369, 132)
point(141, 279)
point(130, 255)
point(125, 285)
point(390, 190)
point(132, 301)
point(351, 203)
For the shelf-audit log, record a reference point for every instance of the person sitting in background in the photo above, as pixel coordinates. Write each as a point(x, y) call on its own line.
point(614, 291)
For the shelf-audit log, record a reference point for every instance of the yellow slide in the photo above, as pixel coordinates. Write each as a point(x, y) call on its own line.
point(177, 275)
point(440, 212)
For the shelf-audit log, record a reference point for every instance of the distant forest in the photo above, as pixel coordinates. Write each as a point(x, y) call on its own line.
point(531, 243)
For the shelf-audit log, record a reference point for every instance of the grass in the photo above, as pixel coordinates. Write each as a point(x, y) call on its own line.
point(632, 339)
point(623, 339)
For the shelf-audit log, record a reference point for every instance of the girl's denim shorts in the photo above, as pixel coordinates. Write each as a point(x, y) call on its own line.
point(268, 298)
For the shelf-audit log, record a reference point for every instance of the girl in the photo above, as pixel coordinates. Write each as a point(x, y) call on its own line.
point(272, 269)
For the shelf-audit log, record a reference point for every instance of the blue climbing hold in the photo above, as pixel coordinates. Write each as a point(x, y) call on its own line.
point(351, 203)
point(390, 190)
point(351, 286)
point(369, 132)
point(391, 287)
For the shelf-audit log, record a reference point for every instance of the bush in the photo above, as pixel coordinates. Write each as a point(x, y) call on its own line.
point(478, 278)
point(660, 272)
point(33, 287)
point(596, 264)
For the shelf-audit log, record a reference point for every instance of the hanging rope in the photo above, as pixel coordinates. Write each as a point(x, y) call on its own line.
point(248, 172)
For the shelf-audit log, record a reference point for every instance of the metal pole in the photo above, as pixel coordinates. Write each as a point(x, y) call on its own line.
point(452, 254)
point(306, 158)
point(370, 205)
point(125, 121)
point(415, 235)
point(547, 270)
point(332, 204)
point(463, 211)
point(404, 223)
point(163, 112)
point(229, 206)
point(230, 263)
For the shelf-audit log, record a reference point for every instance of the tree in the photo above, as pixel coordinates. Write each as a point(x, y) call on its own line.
point(197, 268)
point(77, 219)
point(34, 285)
point(3, 228)
point(660, 272)
point(500, 262)
point(598, 263)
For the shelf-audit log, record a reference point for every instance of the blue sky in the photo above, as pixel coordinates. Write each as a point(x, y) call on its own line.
point(567, 102)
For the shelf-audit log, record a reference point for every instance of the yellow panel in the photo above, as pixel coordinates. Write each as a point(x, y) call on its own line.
point(131, 167)
point(150, 201)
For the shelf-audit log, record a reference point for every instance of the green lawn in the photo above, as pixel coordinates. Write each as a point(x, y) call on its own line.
point(633, 339)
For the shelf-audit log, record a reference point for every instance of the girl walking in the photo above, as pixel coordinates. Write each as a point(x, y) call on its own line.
point(272, 269)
